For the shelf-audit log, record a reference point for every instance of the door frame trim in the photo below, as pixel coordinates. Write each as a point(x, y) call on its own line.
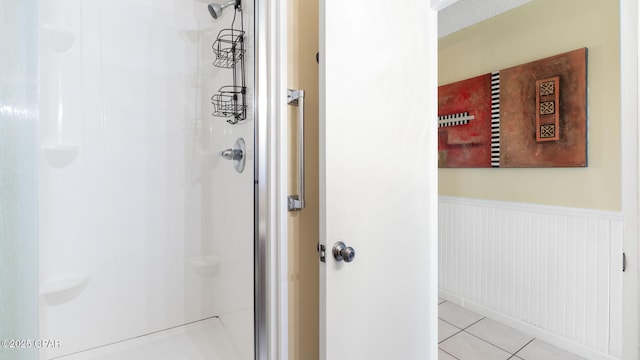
point(630, 184)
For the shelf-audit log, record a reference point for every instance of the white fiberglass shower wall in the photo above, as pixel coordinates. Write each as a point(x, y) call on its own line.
point(143, 226)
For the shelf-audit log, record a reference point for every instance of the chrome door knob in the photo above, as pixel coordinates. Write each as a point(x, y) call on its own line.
point(343, 252)
point(348, 254)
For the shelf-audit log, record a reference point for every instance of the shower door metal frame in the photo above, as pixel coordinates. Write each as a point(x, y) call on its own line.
point(270, 175)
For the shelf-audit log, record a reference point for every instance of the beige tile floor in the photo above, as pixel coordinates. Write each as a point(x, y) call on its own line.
point(465, 335)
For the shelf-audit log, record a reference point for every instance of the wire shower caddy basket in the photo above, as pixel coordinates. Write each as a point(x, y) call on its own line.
point(230, 101)
point(228, 48)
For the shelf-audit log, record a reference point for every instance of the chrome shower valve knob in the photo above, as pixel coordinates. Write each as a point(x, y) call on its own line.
point(237, 155)
point(232, 154)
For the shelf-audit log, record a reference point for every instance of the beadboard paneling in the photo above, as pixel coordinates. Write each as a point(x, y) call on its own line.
point(552, 268)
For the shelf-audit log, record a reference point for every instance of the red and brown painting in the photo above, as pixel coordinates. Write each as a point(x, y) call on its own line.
point(531, 115)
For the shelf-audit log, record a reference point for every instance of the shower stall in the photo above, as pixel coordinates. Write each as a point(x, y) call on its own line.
point(146, 218)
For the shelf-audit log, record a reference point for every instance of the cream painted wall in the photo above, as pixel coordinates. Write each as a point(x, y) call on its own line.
point(539, 29)
point(303, 225)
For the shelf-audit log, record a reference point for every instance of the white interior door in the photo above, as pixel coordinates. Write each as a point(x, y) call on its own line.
point(378, 174)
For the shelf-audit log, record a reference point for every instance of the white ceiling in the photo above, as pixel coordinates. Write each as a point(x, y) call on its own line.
point(465, 13)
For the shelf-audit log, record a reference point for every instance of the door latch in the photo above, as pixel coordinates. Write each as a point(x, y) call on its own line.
point(321, 252)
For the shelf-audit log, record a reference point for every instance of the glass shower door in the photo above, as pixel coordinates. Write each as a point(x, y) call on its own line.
point(18, 180)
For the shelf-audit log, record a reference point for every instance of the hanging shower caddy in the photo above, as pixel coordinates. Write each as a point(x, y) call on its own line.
point(228, 48)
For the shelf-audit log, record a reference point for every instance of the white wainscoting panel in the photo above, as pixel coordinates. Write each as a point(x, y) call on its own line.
point(550, 270)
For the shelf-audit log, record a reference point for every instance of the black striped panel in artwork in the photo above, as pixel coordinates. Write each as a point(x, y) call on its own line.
point(495, 119)
point(454, 119)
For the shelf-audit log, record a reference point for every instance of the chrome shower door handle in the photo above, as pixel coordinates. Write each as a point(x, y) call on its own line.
point(296, 202)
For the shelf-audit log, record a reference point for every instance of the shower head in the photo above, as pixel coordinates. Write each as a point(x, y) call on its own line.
point(216, 10)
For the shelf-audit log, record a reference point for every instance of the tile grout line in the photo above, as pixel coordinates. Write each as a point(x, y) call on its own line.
point(448, 353)
point(457, 327)
point(449, 337)
point(494, 345)
point(458, 332)
point(466, 327)
point(524, 346)
point(470, 325)
point(511, 355)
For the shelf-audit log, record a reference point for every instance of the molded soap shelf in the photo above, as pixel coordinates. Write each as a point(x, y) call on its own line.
point(60, 39)
point(207, 266)
point(63, 290)
point(60, 155)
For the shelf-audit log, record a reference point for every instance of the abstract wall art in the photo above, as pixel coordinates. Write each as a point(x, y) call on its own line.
point(531, 115)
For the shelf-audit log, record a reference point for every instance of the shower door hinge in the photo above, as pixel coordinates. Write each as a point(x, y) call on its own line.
point(294, 203)
point(321, 252)
point(624, 262)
